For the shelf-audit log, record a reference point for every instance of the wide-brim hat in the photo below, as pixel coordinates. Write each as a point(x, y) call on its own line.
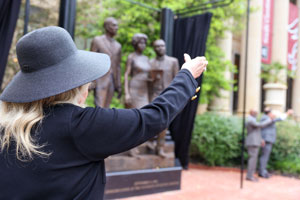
point(51, 64)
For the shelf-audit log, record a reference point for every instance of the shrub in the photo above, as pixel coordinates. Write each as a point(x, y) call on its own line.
point(215, 139)
point(285, 155)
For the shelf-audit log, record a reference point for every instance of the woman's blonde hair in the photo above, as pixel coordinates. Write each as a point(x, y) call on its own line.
point(18, 119)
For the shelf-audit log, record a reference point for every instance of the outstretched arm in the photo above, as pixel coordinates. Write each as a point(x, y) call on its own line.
point(261, 124)
point(99, 132)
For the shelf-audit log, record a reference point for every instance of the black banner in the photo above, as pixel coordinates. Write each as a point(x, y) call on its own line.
point(9, 12)
point(190, 35)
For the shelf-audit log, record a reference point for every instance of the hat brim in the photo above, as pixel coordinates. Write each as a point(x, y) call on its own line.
point(78, 69)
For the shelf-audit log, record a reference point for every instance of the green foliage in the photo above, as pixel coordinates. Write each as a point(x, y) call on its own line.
point(89, 20)
point(224, 19)
point(133, 19)
point(272, 73)
point(116, 103)
point(90, 100)
point(285, 155)
point(288, 166)
point(215, 139)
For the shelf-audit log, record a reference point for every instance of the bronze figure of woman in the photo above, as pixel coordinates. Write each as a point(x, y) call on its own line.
point(137, 67)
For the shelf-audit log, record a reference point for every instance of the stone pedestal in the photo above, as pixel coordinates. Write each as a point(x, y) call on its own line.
point(141, 182)
point(146, 159)
point(145, 173)
point(274, 93)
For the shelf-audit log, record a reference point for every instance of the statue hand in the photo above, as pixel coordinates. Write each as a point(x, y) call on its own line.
point(127, 100)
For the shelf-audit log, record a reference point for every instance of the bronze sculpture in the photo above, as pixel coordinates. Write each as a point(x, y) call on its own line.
point(106, 85)
point(147, 81)
point(169, 67)
point(137, 67)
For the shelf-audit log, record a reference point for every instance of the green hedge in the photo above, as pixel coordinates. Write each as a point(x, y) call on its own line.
point(285, 156)
point(216, 140)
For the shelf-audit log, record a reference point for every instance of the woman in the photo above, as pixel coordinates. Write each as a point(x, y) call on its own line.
point(137, 67)
point(51, 147)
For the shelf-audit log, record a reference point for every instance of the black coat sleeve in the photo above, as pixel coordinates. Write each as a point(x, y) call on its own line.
point(99, 132)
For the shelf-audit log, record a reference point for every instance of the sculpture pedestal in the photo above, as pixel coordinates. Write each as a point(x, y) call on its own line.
point(118, 163)
point(145, 174)
point(141, 182)
point(146, 159)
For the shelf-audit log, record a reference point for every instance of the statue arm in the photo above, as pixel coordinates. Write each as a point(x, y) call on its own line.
point(175, 67)
point(94, 46)
point(126, 76)
point(117, 74)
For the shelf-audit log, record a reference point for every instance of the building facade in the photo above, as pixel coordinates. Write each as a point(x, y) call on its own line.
point(272, 38)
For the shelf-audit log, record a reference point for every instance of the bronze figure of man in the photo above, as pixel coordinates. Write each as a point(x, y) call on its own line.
point(169, 66)
point(106, 85)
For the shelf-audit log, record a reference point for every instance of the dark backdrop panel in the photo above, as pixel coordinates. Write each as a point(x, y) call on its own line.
point(167, 27)
point(190, 35)
point(67, 15)
point(9, 12)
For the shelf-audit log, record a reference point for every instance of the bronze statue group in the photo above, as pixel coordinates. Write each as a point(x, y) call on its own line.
point(144, 79)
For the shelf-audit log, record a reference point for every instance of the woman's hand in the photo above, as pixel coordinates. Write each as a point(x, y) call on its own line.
point(196, 66)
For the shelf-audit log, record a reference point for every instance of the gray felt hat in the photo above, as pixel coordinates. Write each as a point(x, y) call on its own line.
point(51, 64)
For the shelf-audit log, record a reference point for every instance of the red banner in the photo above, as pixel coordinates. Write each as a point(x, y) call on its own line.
point(267, 31)
point(293, 37)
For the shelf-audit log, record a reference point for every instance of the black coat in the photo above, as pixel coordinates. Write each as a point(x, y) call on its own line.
point(80, 139)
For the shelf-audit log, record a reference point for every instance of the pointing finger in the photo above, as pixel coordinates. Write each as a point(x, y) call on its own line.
point(187, 57)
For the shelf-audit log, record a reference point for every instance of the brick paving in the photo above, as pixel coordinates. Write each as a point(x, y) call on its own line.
point(205, 183)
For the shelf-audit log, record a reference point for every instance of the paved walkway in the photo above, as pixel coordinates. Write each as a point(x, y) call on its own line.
point(224, 184)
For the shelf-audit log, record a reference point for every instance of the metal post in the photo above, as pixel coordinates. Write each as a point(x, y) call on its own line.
point(67, 15)
point(245, 92)
point(166, 29)
point(26, 16)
